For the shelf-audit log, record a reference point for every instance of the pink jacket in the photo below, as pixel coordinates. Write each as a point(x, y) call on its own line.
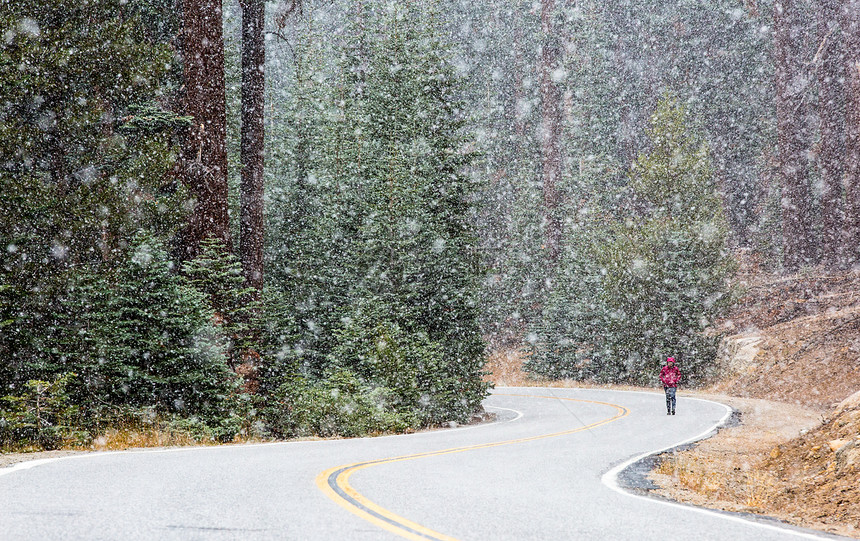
point(670, 375)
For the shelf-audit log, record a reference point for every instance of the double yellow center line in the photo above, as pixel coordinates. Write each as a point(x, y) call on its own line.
point(334, 482)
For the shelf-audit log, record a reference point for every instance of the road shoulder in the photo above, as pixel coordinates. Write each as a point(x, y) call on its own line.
point(727, 473)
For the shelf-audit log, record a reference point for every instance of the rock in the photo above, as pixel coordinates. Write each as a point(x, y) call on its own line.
point(852, 402)
point(836, 445)
point(848, 457)
point(736, 354)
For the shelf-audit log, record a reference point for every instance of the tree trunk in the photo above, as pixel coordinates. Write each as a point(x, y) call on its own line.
point(851, 33)
point(253, 101)
point(831, 125)
point(204, 148)
point(792, 138)
point(550, 134)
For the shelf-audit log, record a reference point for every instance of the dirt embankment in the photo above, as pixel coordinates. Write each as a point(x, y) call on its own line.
point(801, 339)
point(795, 356)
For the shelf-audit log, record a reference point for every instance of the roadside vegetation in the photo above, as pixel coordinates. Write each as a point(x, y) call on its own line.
point(121, 327)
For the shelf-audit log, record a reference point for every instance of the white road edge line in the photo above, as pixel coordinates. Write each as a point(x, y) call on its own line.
point(517, 418)
point(610, 479)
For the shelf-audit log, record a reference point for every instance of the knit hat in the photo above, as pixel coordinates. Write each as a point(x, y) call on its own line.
point(670, 360)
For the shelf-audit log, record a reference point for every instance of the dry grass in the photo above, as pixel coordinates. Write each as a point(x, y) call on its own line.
point(115, 439)
point(761, 486)
point(706, 476)
point(693, 475)
point(505, 369)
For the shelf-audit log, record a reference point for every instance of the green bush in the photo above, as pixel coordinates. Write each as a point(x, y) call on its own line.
point(426, 380)
point(217, 274)
point(340, 405)
point(42, 414)
point(142, 337)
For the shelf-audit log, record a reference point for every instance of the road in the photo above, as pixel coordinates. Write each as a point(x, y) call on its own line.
point(546, 469)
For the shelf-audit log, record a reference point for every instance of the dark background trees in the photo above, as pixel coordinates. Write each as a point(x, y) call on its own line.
point(794, 136)
point(850, 21)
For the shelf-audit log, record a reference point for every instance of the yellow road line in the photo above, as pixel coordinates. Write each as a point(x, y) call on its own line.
point(334, 482)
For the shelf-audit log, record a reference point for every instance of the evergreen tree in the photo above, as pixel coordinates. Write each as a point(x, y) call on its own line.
point(667, 268)
point(377, 222)
point(648, 286)
point(142, 337)
point(569, 337)
point(302, 237)
point(218, 275)
point(204, 143)
point(413, 252)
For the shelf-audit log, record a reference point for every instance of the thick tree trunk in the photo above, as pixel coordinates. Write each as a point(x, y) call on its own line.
point(551, 117)
point(792, 138)
point(851, 33)
point(253, 101)
point(204, 148)
point(831, 125)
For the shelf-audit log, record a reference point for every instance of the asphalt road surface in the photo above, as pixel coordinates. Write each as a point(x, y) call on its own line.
point(546, 469)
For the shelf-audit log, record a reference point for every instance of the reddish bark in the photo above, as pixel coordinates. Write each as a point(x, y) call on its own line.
point(831, 125)
point(551, 117)
point(204, 148)
point(851, 32)
point(792, 138)
point(253, 101)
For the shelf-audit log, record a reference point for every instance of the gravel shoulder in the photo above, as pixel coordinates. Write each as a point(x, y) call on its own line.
point(10, 459)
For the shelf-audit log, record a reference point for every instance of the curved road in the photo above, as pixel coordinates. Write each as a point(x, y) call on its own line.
point(546, 470)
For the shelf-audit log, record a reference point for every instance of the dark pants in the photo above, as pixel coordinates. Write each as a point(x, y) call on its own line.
point(670, 399)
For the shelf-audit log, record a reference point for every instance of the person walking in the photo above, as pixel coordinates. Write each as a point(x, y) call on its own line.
point(670, 374)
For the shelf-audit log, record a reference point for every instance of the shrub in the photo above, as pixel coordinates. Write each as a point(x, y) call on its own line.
point(426, 380)
point(142, 337)
point(340, 405)
point(43, 415)
point(217, 274)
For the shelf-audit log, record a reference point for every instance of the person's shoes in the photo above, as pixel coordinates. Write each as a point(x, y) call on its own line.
point(668, 413)
point(673, 412)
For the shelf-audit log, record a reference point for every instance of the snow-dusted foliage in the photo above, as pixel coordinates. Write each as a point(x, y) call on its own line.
point(649, 284)
point(384, 252)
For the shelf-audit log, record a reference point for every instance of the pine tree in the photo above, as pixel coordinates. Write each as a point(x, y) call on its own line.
point(253, 102)
point(568, 339)
point(667, 266)
point(850, 22)
point(794, 137)
point(217, 274)
point(648, 285)
point(404, 251)
point(831, 115)
point(145, 338)
point(204, 144)
point(305, 200)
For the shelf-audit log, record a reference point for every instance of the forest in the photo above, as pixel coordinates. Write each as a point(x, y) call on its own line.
point(261, 220)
